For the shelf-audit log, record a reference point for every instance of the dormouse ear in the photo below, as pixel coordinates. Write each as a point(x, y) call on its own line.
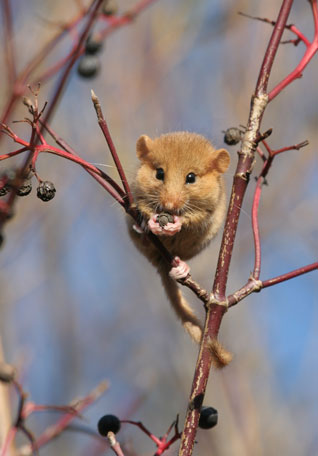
point(143, 147)
point(221, 160)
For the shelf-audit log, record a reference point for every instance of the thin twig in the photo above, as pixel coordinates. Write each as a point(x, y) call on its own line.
point(8, 40)
point(291, 27)
point(289, 275)
point(311, 50)
point(56, 429)
point(115, 446)
point(56, 96)
point(104, 127)
point(100, 178)
point(255, 228)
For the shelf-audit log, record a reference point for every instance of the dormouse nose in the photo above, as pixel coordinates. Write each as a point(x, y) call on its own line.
point(171, 204)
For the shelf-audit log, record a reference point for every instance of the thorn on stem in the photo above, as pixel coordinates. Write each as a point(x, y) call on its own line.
point(265, 135)
point(257, 18)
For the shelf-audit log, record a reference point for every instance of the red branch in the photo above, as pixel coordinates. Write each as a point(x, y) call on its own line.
point(289, 275)
point(255, 227)
point(101, 178)
point(72, 411)
point(18, 85)
point(311, 49)
point(257, 194)
point(110, 186)
point(56, 96)
point(8, 40)
point(61, 83)
point(103, 125)
point(162, 443)
point(217, 306)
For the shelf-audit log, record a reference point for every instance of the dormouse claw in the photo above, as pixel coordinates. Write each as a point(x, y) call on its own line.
point(137, 228)
point(180, 271)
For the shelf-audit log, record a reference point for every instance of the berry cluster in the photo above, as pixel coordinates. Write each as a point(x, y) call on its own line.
point(45, 190)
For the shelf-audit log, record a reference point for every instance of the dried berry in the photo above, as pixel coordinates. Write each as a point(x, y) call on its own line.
point(46, 191)
point(109, 7)
point(108, 423)
point(25, 189)
point(232, 136)
point(4, 190)
point(92, 46)
point(208, 417)
point(88, 66)
point(164, 218)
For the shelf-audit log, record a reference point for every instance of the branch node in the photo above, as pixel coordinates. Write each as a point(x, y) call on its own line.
point(214, 301)
point(264, 135)
point(244, 176)
point(257, 284)
point(259, 104)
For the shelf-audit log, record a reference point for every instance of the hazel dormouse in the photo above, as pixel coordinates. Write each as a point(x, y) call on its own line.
point(181, 176)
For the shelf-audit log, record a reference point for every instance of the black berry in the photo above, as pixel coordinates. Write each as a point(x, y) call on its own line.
point(92, 46)
point(25, 189)
point(46, 191)
point(108, 423)
point(88, 66)
point(232, 136)
point(208, 417)
point(110, 7)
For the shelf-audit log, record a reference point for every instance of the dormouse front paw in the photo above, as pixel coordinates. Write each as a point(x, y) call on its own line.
point(169, 228)
point(180, 271)
point(172, 228)
point(154, 226)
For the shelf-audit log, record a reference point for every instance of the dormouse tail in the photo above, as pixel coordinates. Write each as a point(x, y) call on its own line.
point(220, 356)
point(181, 307)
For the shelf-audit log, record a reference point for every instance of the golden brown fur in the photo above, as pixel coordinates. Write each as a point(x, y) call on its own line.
point(199, 205)
point(220, 356)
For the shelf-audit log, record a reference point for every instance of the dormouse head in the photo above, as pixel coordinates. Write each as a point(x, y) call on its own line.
point(180, 172)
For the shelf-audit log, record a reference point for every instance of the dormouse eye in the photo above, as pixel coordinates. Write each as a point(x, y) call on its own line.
point(160, 174)
point(190, 179)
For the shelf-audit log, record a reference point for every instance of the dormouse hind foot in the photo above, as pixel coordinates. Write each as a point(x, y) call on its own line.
point(167, 229)
point(180, 271)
